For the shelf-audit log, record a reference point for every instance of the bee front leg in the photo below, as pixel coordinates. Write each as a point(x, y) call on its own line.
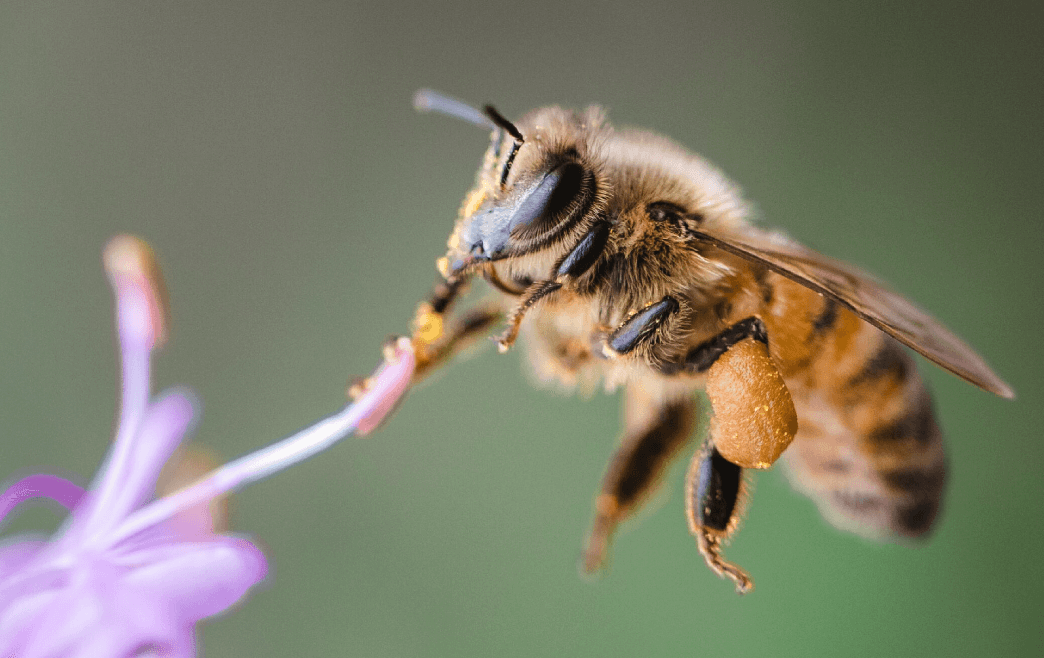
point(580, 259)
point(433, 342)
point(654, 432)
point(531, 296)
point(462, 333)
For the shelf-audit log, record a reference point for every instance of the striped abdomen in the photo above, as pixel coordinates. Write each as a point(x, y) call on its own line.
point(868, 449)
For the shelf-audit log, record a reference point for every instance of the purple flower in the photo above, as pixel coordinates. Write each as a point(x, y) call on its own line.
point(121, 577)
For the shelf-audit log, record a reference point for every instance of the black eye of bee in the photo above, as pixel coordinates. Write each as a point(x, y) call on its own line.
point(544, 205)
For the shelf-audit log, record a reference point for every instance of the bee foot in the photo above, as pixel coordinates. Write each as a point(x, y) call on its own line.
point(710, 547)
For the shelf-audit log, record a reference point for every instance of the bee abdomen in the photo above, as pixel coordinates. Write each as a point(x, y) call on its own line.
point(868, 448)
point(921, 489)
point(906, 451)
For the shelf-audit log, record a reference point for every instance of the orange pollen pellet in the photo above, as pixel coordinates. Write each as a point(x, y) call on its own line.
point(754, 417)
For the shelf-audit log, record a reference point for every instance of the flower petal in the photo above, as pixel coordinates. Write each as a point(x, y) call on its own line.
point(96, 614)
point(16, 554)
point(18, 618)
point(40, 485)
point(52, 622)
point(26, 567)
point(161, 430)
point(200, 579)
point(166, 422)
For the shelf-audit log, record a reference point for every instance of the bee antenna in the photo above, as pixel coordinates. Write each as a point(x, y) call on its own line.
point(498, 120)
point(429, 100)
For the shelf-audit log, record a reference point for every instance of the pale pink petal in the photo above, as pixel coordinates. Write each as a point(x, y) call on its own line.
point(35, 574)
point(100, 613)
point(72, 615)
point(201, 579)
point(16, 554)
point(18, 619)
point(159, 433)
point(40, 485)
point(164, 426)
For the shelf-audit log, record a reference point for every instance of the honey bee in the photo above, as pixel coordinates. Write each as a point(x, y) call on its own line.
point(624, 259)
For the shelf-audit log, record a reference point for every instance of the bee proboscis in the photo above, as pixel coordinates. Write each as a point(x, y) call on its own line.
point(624, 259)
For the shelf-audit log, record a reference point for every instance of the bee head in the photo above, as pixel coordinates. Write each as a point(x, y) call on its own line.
point(531, 191)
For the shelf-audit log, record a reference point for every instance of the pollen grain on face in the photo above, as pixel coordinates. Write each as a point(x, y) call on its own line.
point(471, 205)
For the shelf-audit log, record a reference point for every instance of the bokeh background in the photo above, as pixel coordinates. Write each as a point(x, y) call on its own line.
point(269, 152)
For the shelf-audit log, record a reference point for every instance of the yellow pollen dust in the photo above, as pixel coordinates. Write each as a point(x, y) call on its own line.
point(474, 200)
point(442, 265)
point(428, 326)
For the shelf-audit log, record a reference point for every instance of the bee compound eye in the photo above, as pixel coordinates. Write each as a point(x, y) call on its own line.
point(543, 207)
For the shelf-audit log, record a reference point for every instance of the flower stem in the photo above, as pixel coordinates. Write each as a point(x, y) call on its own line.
point(389, 383)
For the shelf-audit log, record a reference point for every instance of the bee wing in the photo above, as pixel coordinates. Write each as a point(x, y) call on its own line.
point(869, 299)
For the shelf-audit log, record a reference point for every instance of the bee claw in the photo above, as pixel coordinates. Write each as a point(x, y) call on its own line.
point(503, 344)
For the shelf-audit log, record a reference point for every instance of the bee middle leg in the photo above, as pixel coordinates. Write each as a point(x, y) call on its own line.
point(641, 327)
point(654, 432)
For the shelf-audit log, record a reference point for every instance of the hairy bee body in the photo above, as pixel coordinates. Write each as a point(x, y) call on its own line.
point(868, 448)
point(626, 261)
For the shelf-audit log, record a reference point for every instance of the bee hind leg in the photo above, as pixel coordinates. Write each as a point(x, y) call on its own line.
point(654, 432)
point(754, 415)
point(714, 493)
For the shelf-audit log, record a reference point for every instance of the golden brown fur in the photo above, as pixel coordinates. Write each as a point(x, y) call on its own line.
point(867, 449)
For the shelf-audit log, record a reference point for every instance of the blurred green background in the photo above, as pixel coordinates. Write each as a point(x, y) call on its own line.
point(269, 152)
